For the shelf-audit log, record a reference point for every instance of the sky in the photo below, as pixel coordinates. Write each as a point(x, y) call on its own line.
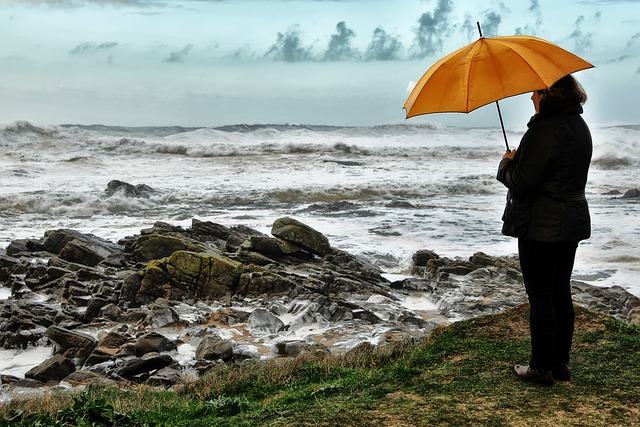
point(329, 62)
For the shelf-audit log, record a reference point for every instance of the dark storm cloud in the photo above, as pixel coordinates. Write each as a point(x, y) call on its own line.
point(339, 48)
point(288, 47)
point(383, 47)
point(179, 55)
point(90, 47)
point(431, 30)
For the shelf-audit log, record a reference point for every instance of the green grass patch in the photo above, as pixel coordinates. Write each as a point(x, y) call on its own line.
point(461, 375)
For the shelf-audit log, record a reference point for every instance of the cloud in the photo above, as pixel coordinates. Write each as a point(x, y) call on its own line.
point(179, 55)
point(288, 47)
point(431, 30)
point(583, 40)
point(383, 47)
point(339, 48)
point(490, 24)
point(91, 47)
point(633, 41)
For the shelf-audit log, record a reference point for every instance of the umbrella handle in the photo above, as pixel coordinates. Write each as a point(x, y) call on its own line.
point(506, 143)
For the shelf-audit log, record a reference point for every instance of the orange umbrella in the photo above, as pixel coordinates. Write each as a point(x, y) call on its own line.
point(488, 70)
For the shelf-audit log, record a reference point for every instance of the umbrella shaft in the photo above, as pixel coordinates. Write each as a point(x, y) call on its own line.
point(506, 143)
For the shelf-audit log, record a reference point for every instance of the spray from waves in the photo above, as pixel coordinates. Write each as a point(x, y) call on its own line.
point(613, 162)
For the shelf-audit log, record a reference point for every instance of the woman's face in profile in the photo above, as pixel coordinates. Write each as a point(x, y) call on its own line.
point(535, 97)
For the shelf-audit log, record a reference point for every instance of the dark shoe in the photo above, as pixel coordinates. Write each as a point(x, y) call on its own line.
point(561, 372)
point(525, 373)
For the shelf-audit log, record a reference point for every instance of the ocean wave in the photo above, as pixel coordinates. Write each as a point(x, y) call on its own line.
point(613, 162)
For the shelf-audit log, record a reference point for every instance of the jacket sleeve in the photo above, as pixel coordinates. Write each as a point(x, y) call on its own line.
point(527, 170)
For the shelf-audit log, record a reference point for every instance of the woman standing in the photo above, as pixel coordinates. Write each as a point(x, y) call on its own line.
point(548, 213)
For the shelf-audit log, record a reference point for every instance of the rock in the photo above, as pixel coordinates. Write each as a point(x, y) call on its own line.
point(156, 246)
point(129, 190)
point(161, 315)
point(111, 311)
point(263, 322)
point(166, 377)
point(633, 317)
point(302, 235)
point(72, 246)
point(212, 347)
point(189, 275)
point(153, 342)
point(270, 246)
point(144, 365)
point(55, 368)
point(289, 348)
point(73, 345)
point(634, 193)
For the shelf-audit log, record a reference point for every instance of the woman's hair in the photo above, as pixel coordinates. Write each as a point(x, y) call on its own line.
point(563, 93)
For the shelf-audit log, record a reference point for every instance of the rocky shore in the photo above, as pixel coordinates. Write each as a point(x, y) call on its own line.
point(165, 306)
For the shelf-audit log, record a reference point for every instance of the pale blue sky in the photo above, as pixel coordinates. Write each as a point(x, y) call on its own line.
point(209, 63)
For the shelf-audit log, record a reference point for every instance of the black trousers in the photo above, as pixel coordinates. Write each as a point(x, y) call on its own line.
point(546, 270)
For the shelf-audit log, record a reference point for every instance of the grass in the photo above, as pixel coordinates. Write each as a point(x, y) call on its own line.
point(461, 375)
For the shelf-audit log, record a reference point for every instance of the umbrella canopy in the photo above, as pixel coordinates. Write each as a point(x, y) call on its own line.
point(488, 70)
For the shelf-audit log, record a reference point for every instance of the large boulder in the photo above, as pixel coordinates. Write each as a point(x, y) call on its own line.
point(263, 322)
point(55, 368)
point(212, 347)
point(71, 344)
point(155, 246)
point(302, 235)
point(190, 275)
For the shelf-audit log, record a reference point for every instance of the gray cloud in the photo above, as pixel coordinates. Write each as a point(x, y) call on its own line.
point(633, 41)
point(530, 29)
point(383, 47)
point(179, 55)
point(91, 47)
point(583, 40)
point(431, 30)
point(339, 48)
point(490, 24)
point(288, 47)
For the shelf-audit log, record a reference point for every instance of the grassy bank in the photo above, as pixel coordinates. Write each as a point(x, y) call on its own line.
point(461, 375)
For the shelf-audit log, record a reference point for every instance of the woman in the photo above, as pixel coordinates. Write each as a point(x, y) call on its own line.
point(548, 213)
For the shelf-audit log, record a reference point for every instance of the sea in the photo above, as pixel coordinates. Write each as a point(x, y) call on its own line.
point(380, 192)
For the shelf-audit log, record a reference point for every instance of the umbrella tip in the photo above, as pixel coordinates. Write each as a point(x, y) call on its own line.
point(479, 30)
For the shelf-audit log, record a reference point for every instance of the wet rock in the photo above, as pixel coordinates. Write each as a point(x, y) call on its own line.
point(140, 367)
point(111, 311)
point(55, 369)
point(73, 345)
point(263, 322)
point(634, 193)
point(302, 235)
point(153, 342)
point(129, 190)
point(161, 315)
point(212, 347)
point(290, 348)
point(166, 378)
point(270, 246)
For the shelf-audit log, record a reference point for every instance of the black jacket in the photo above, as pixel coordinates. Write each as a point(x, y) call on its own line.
point(547, 177)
